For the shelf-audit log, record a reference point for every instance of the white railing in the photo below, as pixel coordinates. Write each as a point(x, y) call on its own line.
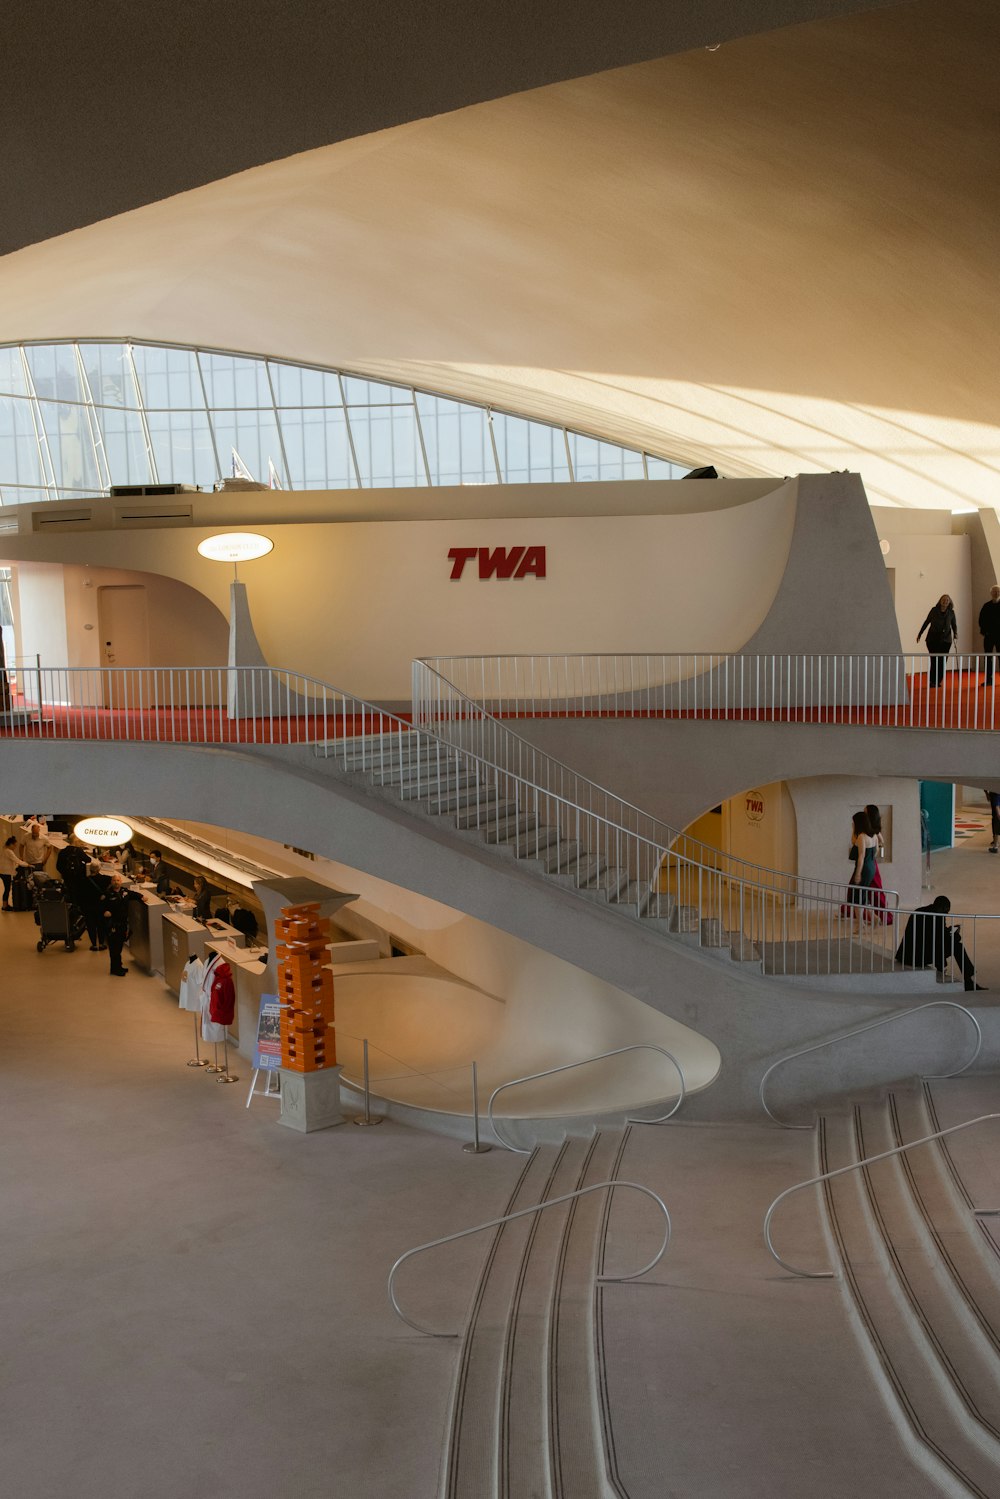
point(477, 771)
point(595, 820)
point(890, 691)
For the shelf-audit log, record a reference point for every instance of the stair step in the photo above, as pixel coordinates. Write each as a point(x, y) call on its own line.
point(633, 893)
point(684, 919)
point(488, 812)
point(609, 883)
point(969, 1359)
point(472, 1470)
point(532, 842)
point(915, 1373)
point(563, 857)
point(969, 1257)
point(436, 788)
point(503, 828)
point(524, 1463)
point(661, 906)
point(579, 1462)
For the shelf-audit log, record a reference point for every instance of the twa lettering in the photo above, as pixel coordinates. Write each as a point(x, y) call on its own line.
point(501, 562)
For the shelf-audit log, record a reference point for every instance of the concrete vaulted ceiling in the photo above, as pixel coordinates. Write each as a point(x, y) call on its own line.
point(778, 255)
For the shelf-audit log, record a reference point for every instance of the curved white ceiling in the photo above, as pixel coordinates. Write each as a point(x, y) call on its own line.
point(778, 256)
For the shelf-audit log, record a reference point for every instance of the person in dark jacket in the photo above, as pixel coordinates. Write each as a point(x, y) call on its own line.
point(942, 629)
point(115, 915)
point(73, 864)
point(928, 942)
point(989, 629)
point(202, 898)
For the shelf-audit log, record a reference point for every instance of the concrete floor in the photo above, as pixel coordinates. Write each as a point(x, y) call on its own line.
point(192, 1299)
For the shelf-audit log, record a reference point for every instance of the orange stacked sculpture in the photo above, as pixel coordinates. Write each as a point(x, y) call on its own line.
point(305, 989)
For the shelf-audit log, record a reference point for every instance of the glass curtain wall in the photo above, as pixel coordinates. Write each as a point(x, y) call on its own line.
point(76, 418)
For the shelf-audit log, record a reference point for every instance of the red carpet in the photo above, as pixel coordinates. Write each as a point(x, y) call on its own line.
point(958, 704)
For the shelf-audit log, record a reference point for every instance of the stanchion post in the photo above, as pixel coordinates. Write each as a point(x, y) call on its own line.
point(475, 1145)
point(214, 1064)
point(367, 1117)
point(197, 1060)
point(227, 1076)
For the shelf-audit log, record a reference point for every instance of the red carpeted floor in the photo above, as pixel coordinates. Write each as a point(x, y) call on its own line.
point(193, 726)
point(961, 703)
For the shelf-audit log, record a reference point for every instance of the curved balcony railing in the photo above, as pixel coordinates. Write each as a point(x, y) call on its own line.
point(539, 1207)
point(886, 691)
point(859, 1030)
point(826, 1176)
point(473, 769)
point(532, 1077)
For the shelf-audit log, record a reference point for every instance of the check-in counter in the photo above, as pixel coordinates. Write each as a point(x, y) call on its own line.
point(249, 965)
point(184, 937)
point(145, 931)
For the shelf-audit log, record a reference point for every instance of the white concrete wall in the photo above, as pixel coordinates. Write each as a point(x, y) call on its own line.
point(928, 563)
point(823, 809)
point(57, 619)
point(352, 603)
point(41, 624)
point(554, 1011)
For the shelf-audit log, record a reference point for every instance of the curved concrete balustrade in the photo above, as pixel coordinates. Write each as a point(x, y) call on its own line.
point(282, 795)
point(425, 1028)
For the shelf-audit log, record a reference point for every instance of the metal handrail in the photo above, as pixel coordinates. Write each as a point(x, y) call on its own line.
point(934, 1004)
point(593, 837)
point(585, 1062)
point(659, 833)
point(539, 1207)
point(837, 687)
point(855, 1166)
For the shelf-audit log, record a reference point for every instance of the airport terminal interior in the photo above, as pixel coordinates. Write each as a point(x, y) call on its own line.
point(499, 607)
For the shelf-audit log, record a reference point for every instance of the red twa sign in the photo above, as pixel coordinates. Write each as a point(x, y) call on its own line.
point(501, 562)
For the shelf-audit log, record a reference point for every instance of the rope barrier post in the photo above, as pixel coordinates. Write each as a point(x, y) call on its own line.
point(367, 1117)
point(475, 1145)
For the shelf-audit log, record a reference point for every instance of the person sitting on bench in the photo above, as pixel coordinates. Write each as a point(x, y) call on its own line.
point(929, 941)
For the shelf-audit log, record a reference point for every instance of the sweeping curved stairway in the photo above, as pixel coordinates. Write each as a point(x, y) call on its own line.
point(527, 1415)
point(922, 1273)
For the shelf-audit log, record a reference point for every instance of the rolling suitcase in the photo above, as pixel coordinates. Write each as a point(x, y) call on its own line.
point(20, 891)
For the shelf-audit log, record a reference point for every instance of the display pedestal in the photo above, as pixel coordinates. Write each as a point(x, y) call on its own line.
point(311, 1100)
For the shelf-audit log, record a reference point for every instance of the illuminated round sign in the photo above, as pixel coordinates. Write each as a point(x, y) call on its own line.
point(235, 546)
point(102, 832)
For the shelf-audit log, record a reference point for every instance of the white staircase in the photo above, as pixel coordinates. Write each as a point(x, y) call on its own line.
point(410, 775)
point(925, 1282)
point(526, 1421)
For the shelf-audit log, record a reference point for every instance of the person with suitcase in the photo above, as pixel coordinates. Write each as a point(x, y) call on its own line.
point(9, 864)
point(73, 864)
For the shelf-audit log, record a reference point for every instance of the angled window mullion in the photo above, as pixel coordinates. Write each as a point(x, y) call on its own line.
point(569, 456)
point(277, 424)
point(347, 426)
point(140, 397)
point(208, 414)
point(493, 443)
point(101, 463)
point(45, 465)
point(420, 437)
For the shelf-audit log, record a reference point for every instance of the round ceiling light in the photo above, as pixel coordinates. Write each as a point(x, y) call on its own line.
point(235, 546)
point(102, 832)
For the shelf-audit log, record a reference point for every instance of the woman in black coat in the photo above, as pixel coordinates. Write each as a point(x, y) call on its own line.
point(942, 628)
